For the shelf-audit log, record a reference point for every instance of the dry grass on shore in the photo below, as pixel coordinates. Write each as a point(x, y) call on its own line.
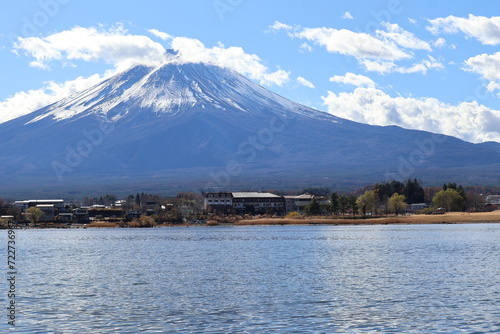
point(103, 224)
point(448, 218)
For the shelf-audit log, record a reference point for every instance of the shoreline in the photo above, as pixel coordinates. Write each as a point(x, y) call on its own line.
point(447, 218)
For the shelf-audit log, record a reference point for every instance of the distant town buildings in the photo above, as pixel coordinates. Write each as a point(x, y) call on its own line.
point(50, 207)
point(244, 202)
point(258, 203)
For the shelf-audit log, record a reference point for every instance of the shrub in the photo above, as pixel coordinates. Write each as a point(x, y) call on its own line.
point(293, 215)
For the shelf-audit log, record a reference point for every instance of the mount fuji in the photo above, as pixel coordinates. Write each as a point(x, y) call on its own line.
point(197, 126)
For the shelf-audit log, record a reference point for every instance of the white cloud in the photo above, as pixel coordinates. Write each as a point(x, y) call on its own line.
point(488, 67)
point(347, 42)
point(115, 47)
point(122, 50)
point(304, 82)
point(305, 47)
point(412, 21)
point(192, 50)
point(160, 34)
point(402, 37)
point(469, 121)
point(439, 43)
point(387, 67)
point(277, 26)
point(486, 30)
point(23, 103)
point(353, 79)
point(347, 16)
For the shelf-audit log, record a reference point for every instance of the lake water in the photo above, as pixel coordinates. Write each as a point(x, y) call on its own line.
point(257, 279)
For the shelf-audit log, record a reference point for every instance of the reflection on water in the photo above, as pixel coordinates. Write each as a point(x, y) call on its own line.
point(279, 279)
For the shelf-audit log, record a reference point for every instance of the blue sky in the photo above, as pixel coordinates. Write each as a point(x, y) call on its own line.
point(429, 65)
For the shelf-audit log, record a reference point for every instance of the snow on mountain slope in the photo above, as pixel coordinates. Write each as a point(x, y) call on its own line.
point(206, 121)
point(170, 89)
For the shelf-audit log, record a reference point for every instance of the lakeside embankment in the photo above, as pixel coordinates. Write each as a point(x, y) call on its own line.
point(447, 218)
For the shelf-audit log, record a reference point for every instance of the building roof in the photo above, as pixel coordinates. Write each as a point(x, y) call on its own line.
point(45, 201)
point(310, 197)
point(253, 195)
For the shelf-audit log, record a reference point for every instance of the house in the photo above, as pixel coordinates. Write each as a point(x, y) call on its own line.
point(58, 204)
point(244, 202)
point(98, 213)
point(300, 202)
point(81, 214)
point(290, 203)
point(49, 212)
point(133, 214)
point(417, 206)
point(151, 207)
point(258, 203)
point(493, 199)
point(220, 202)
point(50, 207)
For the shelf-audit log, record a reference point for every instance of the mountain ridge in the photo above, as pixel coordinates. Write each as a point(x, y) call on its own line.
point(220, 130)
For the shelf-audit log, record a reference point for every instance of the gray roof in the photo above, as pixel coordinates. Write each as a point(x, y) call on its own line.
point(253, 194)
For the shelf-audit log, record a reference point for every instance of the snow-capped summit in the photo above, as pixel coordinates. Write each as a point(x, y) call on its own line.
point(170, 89)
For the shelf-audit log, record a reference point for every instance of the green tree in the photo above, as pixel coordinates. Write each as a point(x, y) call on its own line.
point(449, 199)
point(313, 208)
point(34, 214)
point(334, 203)
point(343, 204)
point(414, 192)
point(366, 202)
point(397, 203)
point(353, 205)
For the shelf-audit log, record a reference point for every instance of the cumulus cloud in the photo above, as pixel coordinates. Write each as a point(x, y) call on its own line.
point(469, 121)
point(114, 46)
point(347, 16)
point(305, 47)
point(387, 67)
point(487, 66)
point(160, 34)
point(353, 79)
point(277, 26)
point(486, 30)
point(402, 37)
point(304, 82)
point(192, 50)
point(119, 48)
point(439, 43)
point(378, 53)
point(23, 103)
point(350, 43)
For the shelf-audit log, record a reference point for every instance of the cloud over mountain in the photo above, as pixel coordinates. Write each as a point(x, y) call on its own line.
point(469, 121)
point(121, 49)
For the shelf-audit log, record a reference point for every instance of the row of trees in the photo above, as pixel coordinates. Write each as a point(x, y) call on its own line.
point(393, 197)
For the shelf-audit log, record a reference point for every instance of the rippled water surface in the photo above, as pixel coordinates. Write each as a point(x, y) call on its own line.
point(280, 279)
